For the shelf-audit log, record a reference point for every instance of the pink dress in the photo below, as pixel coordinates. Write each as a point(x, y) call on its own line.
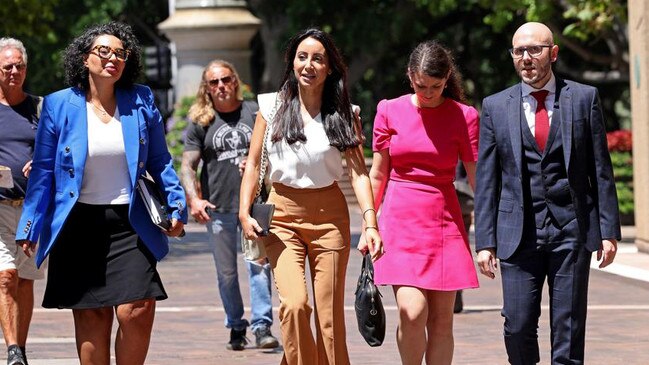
point(420, 220)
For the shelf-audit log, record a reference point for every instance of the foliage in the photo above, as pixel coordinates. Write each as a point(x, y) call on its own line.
point(619, 140)
point(619, 144)
point(622, 165)
point(625, 197)
point(46, 27)
point(26, 17)
point(246, 90)
point(377, 36)
point(177, 129)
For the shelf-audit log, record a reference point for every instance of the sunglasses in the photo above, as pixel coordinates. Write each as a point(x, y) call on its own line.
point(226, 80)
point(19, 66)
point(106, 52)
point(533, 51)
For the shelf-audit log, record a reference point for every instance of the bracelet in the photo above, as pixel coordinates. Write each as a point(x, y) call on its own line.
point(367, 210)
point(368, 227)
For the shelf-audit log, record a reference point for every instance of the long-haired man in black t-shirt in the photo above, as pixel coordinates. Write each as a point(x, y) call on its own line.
point(219, 135)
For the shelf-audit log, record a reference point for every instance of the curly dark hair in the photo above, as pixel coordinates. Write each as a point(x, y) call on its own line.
point(76, 74)
point(336, 110)
point(431, 58)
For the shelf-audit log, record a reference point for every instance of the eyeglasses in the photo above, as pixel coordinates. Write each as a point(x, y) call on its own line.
point(226, 80)
point(105, 52)
point(533, 51)
point(9, 67)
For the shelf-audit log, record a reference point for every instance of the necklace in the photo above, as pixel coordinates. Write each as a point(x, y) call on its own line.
point(101, 110)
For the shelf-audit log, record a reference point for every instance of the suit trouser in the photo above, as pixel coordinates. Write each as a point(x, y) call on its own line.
point(310, 224)
point(566, 267)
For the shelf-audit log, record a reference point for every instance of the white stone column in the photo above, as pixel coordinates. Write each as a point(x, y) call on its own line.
point(203, 30)
point(639, 60)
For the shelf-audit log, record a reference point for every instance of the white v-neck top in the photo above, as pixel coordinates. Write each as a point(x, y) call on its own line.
point(105, 176)
point(313, 164)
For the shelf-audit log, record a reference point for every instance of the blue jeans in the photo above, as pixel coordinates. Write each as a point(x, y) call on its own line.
point(225, 232)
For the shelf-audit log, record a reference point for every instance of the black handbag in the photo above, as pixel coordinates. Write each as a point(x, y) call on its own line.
point(263, 214)
point(370, 314)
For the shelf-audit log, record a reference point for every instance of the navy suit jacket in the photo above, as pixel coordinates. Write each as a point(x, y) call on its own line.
point(499, 203)
point(60, 156)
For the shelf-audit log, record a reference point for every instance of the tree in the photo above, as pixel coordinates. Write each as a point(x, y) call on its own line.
point(26, 17)
point(377, 36)
point(46, 27)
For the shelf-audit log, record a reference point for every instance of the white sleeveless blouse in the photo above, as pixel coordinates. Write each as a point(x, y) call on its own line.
point(310, 165)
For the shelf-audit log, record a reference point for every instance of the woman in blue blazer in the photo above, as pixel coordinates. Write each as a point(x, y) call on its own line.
point(94, 141)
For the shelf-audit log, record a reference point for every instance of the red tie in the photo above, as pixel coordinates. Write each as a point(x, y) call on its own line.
point(542, 122)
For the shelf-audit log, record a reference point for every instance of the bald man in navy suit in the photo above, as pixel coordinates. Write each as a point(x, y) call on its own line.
point(545, 199)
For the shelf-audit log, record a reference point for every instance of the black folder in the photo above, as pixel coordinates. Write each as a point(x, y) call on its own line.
point(154, 202)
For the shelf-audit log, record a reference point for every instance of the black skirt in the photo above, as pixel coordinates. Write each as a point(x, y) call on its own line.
point(99, 261)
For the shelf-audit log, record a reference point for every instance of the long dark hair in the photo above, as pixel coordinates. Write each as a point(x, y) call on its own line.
point(336, 108)
point(433, 59)
point(76, 74)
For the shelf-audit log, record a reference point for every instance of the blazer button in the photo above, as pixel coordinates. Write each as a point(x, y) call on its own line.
point(71, 171)
point(141, 140)
point(72, 194)
point(67, 148)
point(141, 164)
point(26, 230)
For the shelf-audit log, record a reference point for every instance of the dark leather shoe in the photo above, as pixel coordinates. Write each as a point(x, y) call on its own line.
point(15, 356)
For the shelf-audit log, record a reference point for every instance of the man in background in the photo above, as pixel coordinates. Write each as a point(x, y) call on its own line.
point(18, 120)
point(219, 135)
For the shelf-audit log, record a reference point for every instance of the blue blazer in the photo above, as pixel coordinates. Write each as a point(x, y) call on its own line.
point(499, 186)
point(60, 156)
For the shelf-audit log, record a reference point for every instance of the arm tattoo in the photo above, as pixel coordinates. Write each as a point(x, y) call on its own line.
point(188, 172)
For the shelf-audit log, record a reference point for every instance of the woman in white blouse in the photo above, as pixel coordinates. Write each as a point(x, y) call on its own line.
point(310, 123)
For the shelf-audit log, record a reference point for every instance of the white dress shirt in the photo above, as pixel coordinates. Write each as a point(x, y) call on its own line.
point(529, 102)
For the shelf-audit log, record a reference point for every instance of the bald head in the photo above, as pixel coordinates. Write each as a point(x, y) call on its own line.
point(533, 52)
point(538, 31)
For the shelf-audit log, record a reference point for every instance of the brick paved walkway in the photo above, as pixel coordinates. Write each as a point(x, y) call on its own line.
point(189, 325)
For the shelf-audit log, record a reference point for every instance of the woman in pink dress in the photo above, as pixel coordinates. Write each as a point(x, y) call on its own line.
point(418, 139)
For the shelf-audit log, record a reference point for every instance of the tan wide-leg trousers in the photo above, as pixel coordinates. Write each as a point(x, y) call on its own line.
point(313, 224)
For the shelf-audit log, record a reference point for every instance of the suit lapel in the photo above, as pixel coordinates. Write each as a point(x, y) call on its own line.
point(514, 113)
point(76, 124)
point(129, 118)
point(565, 111)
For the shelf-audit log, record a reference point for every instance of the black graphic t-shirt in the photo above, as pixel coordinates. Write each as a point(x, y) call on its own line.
point(223, 144)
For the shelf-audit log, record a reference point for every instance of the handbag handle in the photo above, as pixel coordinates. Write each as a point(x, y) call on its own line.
point(368, 267)
point(263, 166)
